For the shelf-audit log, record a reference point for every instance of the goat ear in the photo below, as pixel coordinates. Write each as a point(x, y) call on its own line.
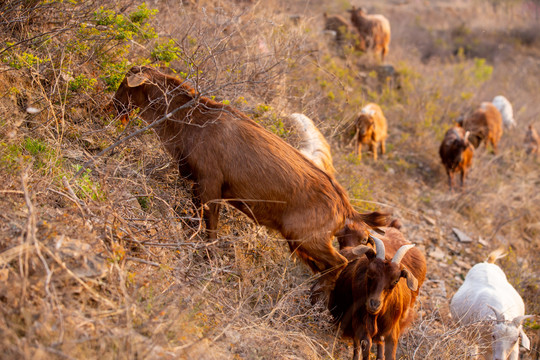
point(364, 250)
point(412, 283)
point(135, 80)
point(525, 342)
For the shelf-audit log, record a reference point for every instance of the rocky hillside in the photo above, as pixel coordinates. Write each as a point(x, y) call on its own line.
point(102, 253)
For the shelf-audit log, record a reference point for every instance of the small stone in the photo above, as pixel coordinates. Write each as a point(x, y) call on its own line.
point(461, 236)
point(482, 241)
point(437, 254)
point(429, 220)
point(462, 264)
point(32, 110)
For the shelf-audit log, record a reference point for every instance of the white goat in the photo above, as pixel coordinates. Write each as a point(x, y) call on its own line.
point(486, 295)
point(505, 108)
point(312, 144)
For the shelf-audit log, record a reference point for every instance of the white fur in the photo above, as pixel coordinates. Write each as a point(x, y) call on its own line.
point(505, 108)
point(368, 110)
point(313, 144)
point(484, 285)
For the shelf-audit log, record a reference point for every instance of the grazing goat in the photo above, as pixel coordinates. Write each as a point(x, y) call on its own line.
point(373, 29)
point(231, 157)
point(369, 302)
point(346, 34)
point(456, 154)
point(484, 124)
point(371, 129)
point(486, 295)
point(312, 143)
point(532, 141)
point(505, 108)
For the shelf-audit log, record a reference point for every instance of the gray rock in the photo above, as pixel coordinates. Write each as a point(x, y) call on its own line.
point(461, 236)
point(437, 254)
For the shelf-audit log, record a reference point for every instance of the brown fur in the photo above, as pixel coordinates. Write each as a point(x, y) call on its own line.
point(371, 129)
point(346, 34)
point(374, 29)
point(231, 157)
point(485, 124)
point(532, 141)
point(456, 154)
point(368, 279)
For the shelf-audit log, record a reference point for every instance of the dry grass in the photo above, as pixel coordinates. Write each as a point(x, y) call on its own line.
point(113, 263)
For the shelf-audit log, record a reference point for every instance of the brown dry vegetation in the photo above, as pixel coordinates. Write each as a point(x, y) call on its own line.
point(112, 262)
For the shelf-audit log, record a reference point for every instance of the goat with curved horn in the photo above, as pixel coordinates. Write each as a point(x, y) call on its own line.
point(486, 287)
point(379, 247)
point(370, 301)
point(401, 253)
point(498, 315)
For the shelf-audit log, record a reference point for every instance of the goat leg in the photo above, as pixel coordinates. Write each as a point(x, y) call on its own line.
point(380, 350)
point(356, 349)
point(359, 150)
point(390, 346)
point(210, 196)
point(373, 148)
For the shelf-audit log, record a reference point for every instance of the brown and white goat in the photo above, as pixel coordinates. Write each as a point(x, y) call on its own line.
point(313, 144)
point(532, 141)
point(373, 29)
point(456, 154)
point(231, 157)
point(484, 124)
point(370, 301)
point(371, 129)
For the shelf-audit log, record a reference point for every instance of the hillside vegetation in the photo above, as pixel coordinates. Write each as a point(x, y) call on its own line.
point(102, 253)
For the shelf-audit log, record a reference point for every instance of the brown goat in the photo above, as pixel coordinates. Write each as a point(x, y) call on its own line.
point(346, 34)
point(371, 129)
point(369, 301)
point(231, 157)
point(456, 154)
point(485, 124)
point(532, 141)
point(373, 29)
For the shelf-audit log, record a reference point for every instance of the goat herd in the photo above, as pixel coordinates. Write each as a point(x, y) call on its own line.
point(229, 157)
point(370, 285)
point(372, 32)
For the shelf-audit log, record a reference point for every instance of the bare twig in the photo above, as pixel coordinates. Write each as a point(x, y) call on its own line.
point(142, 261)
point(132, 135)
point(31, 231)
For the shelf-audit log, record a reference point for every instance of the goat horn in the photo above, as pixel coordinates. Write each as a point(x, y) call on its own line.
point(401, 253)
point(499, 315)
point(379, 247)
point(518, 320)
point(467, 135)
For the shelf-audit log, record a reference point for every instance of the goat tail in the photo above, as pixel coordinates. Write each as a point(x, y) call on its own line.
point(374, 219)
point(496, 254)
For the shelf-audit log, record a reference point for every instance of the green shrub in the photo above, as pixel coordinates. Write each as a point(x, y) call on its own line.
point(113, 73)
point(9, 156)
point(166, 52)
point(24, 60)
point(42, 155)
point(87, 188)
point(81, 83)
